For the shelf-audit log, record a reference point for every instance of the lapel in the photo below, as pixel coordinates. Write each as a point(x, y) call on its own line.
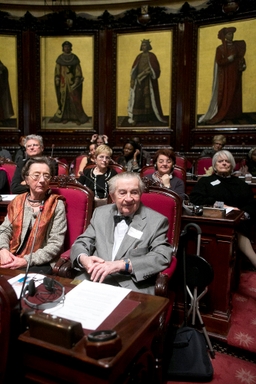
point(139, 222)
point(110, 227)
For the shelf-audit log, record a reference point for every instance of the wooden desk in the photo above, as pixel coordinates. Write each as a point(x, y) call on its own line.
point(140, 355)
point(218, 247)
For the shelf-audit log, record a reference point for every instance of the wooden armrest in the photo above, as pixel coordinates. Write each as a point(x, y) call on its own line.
point(163, 278)
point(63, 266)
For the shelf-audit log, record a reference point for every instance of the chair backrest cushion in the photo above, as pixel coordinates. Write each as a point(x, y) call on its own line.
point(169, 207)
point(202, 165)
point(10, 169)
point(78, 210)
point(62, 169)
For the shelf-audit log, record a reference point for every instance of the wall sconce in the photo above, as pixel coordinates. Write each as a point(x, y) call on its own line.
point(144, 18)
point(230, 7)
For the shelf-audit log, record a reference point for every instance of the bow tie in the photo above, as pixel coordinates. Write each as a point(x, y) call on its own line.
point(118, 218)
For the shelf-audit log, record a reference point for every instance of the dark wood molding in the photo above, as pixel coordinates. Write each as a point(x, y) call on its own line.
point(183, 133)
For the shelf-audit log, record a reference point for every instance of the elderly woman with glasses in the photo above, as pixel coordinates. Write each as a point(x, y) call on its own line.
point(35, 226)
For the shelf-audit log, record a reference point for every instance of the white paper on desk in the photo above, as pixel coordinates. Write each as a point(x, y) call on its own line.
point(17, 281)
point(228, 210)
point(8, 197)
point(90, 303)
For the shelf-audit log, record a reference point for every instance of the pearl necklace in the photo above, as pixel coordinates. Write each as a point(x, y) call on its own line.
point(107, 176)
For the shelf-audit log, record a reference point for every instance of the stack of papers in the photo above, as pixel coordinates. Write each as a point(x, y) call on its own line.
point(90, 303)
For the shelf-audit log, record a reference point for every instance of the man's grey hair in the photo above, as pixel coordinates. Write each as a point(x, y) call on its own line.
point(223, 154)
point(35, 137)
point(125, 175)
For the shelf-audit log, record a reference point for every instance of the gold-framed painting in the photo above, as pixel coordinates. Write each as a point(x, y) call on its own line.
point(226, 75)
point(67, 78)
point(9, 82)
point(143, 83)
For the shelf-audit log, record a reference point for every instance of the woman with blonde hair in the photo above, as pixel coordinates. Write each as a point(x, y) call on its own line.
point(96, 177)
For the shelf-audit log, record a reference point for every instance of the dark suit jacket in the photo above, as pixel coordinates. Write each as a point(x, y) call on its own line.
point(145, 244)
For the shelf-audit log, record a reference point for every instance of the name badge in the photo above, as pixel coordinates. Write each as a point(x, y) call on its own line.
point(215, 182)
point(135, 233)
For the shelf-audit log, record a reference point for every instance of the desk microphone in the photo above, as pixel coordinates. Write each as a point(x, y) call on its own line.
point(22, 293)
point(52, 150)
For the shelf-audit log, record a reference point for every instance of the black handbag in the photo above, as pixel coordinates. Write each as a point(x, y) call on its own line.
point(188, 353)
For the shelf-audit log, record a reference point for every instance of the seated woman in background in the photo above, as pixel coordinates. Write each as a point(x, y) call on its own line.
point(87, 159)
point(218, 143)
point(96, 178)
point(164, 162)
point(249, 165)
point(233, 192)
point(131, 160)
point(34, 216)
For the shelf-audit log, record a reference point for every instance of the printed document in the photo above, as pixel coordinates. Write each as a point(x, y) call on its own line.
point(90, 303)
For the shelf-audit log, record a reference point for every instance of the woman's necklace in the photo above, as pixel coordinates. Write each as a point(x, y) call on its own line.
point(33, 203)
point(107, 176)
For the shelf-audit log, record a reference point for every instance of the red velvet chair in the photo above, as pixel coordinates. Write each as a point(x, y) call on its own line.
point(74, 167)
point(169, 204)
point(9, 167)
point(62, 168)
point(181, 161)
point(79, 206)
point(202, 164)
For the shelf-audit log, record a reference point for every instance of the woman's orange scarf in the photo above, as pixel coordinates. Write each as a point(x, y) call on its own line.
point(16, 213)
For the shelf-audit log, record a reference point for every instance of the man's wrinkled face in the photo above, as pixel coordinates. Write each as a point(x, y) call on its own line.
point(127, 196)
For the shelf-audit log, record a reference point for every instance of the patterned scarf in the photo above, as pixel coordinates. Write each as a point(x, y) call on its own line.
point(15, 214)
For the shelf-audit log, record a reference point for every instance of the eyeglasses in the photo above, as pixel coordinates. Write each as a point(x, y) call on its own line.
point(37, 176)
point(32, 145)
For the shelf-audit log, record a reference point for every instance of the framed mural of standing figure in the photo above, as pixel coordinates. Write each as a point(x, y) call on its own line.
point(8, 82)
point(144, 79)
point(66, 82)
point(226, 75)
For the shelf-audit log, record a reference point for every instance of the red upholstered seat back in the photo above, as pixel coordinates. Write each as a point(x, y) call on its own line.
point(10, 168)
point(169, 204)
point(202, 164)
point(79, 205)
point(62, 168)
point(76, 163)
point(181, 161)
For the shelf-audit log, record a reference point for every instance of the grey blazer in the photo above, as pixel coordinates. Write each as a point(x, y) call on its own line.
point(145, 244)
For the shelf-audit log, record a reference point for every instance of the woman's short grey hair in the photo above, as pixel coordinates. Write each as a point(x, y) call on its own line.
point(34, 137)
point(37, 160)
point(125, 175)
point(224, 155)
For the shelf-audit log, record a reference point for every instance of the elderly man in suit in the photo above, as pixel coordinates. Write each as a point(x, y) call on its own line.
point(126, 243)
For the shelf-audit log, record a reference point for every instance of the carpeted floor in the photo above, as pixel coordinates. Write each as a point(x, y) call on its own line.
point(230, 370)
point(235, 361)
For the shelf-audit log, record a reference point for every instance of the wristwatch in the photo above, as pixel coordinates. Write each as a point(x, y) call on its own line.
point(127, 264)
